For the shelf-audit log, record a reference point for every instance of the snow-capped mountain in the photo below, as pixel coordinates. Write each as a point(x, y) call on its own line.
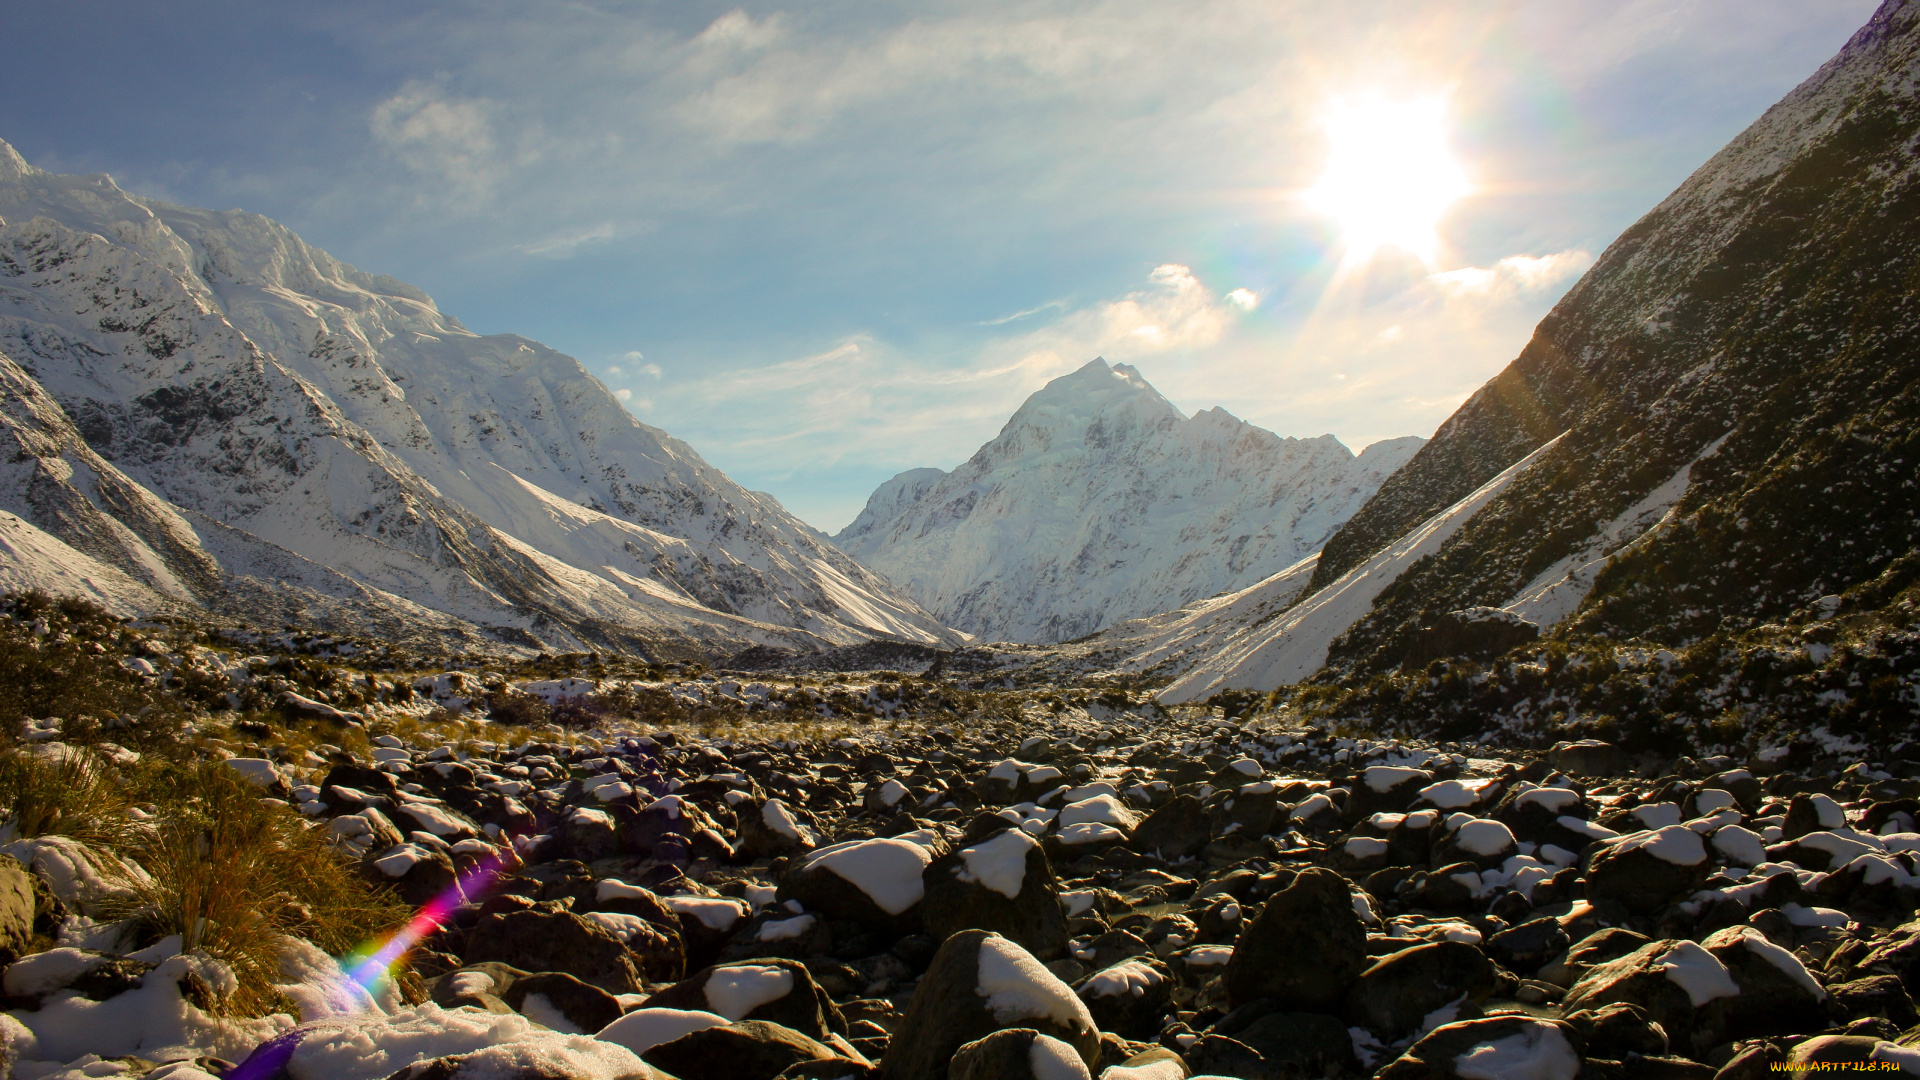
point(1721, 419)
point(1100, 501)
point(217, 409)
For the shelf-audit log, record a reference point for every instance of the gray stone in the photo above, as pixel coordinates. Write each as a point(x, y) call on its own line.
point(1033, 918)
point(1304, 950)
point(948, 1011)
point(743, 1050)
point(1392, 997)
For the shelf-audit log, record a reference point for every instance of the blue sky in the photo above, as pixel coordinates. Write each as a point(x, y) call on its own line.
point(827, 242)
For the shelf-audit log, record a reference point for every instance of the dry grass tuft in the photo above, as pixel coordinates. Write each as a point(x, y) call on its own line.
point(67, 791)
point(232, 874)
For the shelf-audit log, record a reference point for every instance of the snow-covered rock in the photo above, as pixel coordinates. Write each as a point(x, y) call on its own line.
point(1101, 502)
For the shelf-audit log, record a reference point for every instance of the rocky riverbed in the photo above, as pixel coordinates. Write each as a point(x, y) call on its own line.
point(1135, 896)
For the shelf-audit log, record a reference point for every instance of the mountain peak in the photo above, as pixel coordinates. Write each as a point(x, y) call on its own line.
point(1093, 390)
point(12, 165)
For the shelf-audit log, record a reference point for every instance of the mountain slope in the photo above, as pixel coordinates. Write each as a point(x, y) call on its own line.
point(1738, 378)
point(250, 383)
point(1101, 502)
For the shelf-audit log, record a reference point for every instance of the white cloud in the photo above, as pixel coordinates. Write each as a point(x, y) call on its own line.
point(651, 371)
point(448, 140)
point(865, 400)
point(570, 244)
point(1513, 275)
point(633, 355)
point(1244, 299)
point(623, 394)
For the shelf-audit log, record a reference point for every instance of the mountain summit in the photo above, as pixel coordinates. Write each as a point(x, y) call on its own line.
point(1100, 501)
point(208, 411)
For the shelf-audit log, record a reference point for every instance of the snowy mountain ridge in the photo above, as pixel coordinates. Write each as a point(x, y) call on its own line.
point(250, 416)
point(1100, 502)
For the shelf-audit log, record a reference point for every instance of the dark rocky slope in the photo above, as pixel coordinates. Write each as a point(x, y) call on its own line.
point(1768, 306)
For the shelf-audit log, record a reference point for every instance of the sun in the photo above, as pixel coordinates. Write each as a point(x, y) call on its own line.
point(1390, 176)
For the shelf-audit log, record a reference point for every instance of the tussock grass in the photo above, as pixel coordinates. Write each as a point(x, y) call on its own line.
point(232, 874)
point(70, 792)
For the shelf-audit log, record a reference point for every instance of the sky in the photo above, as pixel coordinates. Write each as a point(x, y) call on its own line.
point(827, 242)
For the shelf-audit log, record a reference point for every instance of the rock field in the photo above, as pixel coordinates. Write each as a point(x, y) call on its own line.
point(1144, 895)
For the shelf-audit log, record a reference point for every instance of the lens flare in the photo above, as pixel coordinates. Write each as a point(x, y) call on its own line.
point(371, 965)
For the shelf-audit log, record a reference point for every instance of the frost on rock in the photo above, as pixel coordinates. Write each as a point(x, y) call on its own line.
point(887, 870)
point(1098, 810)
point(785, 929)
point(1209, 955)
point(1740, 845)
point(620, 924)
point(78, 875)
point(1788, 964)
point(715, 913)
point(1675, 844)
point(1384, 778)
point(1051, 1059)
point(1698, 972)
point(737, 990)
point(148, 1020)
point(1088, 832)
point(1126, 979)
point(1484, 836)
point(643, 1029)
point(1018, 988)
point(998, 863)
point(552, 1053)
point(777, 817)
point(1540, 1052)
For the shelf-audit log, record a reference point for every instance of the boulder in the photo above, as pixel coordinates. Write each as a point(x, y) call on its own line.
point(1304, 950)
point(16, 909)
point(980, 983)
point(774, 830)
point(542, 1056)
point(533, 940)
point(743, 1050)
point(1129, 998)
point(1402, 989)
point(1174, 831)
point(1675, 984)
point(562, 1002)
point(1587, 757)
point(590, 834)
point(877, 883)
point(1498, 1046)
point(781, 991)
point(1017, 1054)
point(1004, 884)
point(1385, 789)
point(1778, 995)
point(419, 872)
point(1648, 870)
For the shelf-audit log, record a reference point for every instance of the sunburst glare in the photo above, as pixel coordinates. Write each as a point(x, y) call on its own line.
point(1390, 176)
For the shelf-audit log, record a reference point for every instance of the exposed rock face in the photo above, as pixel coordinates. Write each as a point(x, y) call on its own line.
point(1101, 502)
point(1702, 370)
point(211, 412)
